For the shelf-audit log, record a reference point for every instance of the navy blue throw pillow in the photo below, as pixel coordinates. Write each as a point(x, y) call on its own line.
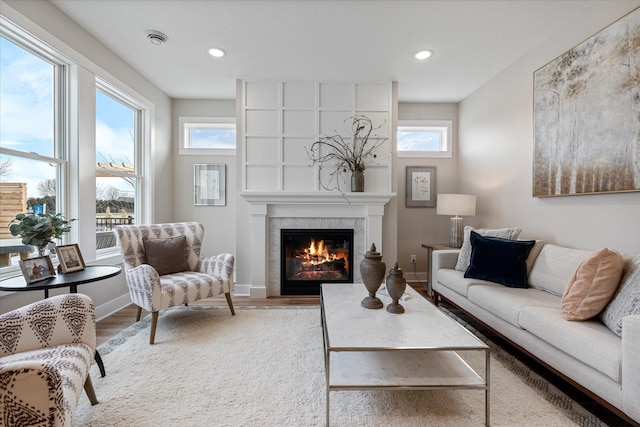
point(499, 260)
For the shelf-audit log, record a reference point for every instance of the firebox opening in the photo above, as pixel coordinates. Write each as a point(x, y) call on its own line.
point(311, 257)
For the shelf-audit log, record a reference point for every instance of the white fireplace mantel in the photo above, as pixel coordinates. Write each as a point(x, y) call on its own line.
point(281, 204)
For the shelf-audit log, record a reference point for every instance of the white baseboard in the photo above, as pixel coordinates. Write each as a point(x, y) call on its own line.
point(242, 290)
point(117, 304)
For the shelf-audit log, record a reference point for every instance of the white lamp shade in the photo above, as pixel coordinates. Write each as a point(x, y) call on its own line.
point(456, 204)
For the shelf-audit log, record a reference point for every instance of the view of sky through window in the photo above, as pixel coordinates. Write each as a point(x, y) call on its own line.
point(420, 140)
point(26, 114)
point(212, 138)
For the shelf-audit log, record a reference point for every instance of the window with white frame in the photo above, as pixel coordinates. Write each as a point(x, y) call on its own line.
point(424, 138)
point(118, 151)
point(33, 129)
point(207, 135)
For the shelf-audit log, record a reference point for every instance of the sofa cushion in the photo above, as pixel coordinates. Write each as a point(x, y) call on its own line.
point(499, 260)
point(626, 301)
point(166, 255)
point(454, 280)
point(592, 286)
point(590, 341)
point(506, 303)
point(464, 258)
point(554, 267)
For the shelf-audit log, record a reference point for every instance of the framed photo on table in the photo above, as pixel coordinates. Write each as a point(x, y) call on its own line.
point(70, 258)
point(421, 187)
point(209, 185)
point(36, 269)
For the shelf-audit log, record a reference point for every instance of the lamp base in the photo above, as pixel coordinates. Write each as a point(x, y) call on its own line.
point(456, 234)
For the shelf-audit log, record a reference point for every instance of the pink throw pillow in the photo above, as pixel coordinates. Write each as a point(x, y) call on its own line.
point(592, 285)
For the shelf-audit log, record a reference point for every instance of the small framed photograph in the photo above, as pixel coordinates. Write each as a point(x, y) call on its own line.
point(209, 185)
point(70, 258)
point(421, 187)
point(36, 269)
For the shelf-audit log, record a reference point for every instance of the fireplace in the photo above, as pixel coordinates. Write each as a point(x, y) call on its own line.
point(311, 257)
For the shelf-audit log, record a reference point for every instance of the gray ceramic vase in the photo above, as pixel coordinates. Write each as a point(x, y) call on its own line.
point(372, 270)
point(396, 284)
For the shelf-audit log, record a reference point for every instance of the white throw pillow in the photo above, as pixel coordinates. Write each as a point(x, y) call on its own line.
point(626, 301)
point(464, 258)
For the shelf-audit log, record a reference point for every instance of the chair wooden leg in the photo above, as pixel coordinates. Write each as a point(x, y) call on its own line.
point(228, 295)
point(88, 388)
point(154, 323)
point(139, 313)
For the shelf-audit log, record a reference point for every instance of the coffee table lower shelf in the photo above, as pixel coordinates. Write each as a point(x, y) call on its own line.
point(403, 369)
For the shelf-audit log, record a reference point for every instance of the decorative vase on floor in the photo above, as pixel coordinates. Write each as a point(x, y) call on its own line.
point(357, 181)
point(396, 284)
point(372, 270)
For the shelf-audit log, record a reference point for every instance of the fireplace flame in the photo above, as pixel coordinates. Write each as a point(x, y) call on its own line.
point(317, 253)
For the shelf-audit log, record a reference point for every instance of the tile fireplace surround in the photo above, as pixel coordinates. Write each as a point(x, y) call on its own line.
point(272, 212)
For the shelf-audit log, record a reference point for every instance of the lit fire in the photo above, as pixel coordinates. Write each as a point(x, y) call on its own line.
point(317, 253)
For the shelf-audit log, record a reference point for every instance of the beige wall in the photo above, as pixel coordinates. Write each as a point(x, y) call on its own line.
point(496, 155)
point(418, 225)
point(219, 221)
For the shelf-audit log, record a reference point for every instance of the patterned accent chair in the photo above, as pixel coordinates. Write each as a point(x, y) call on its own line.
point(202, 277)
point(46, 350)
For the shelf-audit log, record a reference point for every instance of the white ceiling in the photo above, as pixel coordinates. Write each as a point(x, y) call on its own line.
point(323, 40)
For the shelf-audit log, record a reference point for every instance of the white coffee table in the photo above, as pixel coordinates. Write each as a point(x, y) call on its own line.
point(373, 349)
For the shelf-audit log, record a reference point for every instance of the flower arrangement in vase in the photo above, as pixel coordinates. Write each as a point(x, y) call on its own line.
point(39, 229)
point(351, 155)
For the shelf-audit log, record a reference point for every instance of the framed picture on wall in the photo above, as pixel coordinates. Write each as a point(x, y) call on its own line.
point(421, 187)
point(70, 258)
point(209, 185)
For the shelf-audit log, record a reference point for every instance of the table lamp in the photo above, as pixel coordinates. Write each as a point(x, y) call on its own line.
point(458, 205)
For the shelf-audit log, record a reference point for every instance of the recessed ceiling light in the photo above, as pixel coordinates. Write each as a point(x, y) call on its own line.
point(216, 52)
point(156, 37)
point(423, 54)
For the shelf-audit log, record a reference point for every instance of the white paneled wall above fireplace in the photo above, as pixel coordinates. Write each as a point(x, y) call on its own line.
point(281, 119)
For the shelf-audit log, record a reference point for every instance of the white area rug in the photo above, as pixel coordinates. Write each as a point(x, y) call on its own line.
point(265, 367)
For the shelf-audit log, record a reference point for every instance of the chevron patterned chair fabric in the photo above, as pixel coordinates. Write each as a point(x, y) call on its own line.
point(158, 278)
point(46, 350)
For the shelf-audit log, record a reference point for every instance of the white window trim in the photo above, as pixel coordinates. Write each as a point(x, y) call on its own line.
point(61, 123)
point(447, 153)
point(203, 122)
point(142, 140)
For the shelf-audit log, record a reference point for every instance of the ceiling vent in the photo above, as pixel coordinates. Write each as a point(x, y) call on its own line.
point(156, 37)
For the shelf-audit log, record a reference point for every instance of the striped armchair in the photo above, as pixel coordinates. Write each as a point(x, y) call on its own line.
point(153, 289)
point(46, 350)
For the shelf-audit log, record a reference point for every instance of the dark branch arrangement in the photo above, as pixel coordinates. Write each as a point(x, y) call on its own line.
point(342, 155)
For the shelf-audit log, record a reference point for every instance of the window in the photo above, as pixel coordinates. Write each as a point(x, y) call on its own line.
point(33, 129)
point(118, 147)
point(425, 138)
point(207, 135)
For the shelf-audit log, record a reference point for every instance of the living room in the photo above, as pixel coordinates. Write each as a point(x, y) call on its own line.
point(492, 141)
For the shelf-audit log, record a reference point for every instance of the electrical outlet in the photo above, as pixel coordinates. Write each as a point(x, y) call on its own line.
point(413, 259)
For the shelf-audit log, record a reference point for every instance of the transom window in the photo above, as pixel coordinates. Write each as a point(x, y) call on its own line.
point(207, 135)
point(424, 138)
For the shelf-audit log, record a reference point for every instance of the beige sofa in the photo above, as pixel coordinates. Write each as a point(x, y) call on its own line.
point(586, 353)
